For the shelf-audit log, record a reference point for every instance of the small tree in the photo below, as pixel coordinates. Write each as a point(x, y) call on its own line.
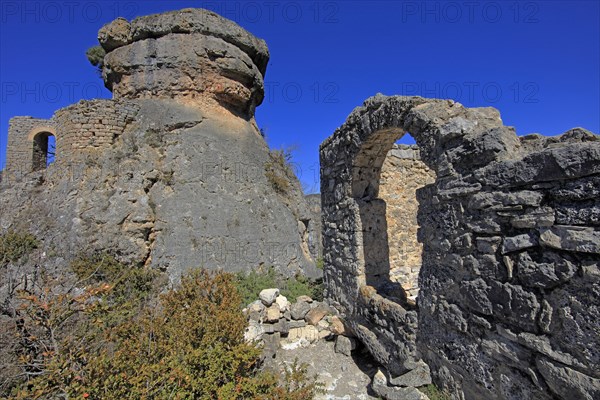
point(95, 56)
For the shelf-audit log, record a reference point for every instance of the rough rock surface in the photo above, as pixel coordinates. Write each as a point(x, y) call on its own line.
point(190, 53)
point(171, 172)
point(509, 284)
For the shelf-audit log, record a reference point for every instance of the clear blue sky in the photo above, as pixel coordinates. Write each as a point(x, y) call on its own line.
point(538, 62)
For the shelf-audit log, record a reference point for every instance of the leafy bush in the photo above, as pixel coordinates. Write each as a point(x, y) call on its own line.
point(187, 345)
point(320, 263)
point(95, 56)
point(14, 246)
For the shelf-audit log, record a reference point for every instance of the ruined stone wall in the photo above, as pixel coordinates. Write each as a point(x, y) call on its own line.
point(20, 148)
point(80, 130)
point(509, 284)
point(402, 174)
point(91, 125)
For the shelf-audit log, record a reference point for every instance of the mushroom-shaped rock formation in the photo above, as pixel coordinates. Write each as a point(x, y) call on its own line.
point(191, 54)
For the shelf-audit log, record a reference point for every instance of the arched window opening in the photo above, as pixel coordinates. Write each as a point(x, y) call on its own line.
point(44, 150)
point(387, 175)
point(403, 174)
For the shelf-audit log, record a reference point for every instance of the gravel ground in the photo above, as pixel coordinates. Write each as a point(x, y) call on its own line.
point(344, 378)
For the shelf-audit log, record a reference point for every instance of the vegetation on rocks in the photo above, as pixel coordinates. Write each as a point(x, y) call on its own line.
point(106, 332)
point(95, 56)
point(15, 245)
point(250, 284)
point(278, 170)
point(434, 393)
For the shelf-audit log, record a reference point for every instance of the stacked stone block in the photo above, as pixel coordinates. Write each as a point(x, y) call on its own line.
point(402, 174)
point(20, 149)
point(91, 125)
point(276, 322)
point(80, 130)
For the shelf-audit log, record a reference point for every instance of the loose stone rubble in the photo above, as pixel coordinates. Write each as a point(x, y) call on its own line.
point(278, 326)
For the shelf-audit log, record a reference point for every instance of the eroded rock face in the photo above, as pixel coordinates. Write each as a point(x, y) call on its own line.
point(192, 54)
point(171, 173)
point(509, 283)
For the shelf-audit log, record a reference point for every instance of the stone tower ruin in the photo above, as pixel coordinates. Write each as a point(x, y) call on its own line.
point(171, 172)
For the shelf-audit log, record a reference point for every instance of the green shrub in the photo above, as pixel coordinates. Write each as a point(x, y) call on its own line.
point(95, 56)
point(434, 393)
point(320, 263)
point(300, 285)
point(250, 284)
point(131, 287)
point(14, 246)
point(189, 345)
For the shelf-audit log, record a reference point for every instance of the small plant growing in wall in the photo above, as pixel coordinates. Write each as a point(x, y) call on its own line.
point(95, 56)
point(278, 170)
point(434, 393)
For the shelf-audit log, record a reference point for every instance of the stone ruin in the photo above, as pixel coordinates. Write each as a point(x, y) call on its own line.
point(509, 284)
point(474, 255)
point(170, 172)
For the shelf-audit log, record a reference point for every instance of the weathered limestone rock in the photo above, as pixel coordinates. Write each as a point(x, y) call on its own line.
point(338, 327)
point(273, 313)
point(380, 386)
point(516, 243)
point(283, 303)
point(254, 331)
point(545, 275)
point(567, 382)
point(572, 238)
point(268, 296)
point(185, 54)
point(308, 333)
point(299, 310)
point(419, 376)
point(170, 173)
point(344, 345)
point(316, 314)
point(256, 311)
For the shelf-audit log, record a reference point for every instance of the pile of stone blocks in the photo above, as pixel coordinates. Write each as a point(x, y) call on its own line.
point(275, 322)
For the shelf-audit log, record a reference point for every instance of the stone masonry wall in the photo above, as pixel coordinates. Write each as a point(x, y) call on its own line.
point(20, 150)
point(91, 125)
point(402, 174)
point(509, 305)
point(79, 129)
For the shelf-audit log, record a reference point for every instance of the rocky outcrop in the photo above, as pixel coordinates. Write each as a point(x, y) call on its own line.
point(192, 54)
point(171, 173)
point(508, 302)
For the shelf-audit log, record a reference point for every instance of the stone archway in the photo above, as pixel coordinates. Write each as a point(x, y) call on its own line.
point(351, 162)
point(355, 235)
point(41, 143)
point(498, 229)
